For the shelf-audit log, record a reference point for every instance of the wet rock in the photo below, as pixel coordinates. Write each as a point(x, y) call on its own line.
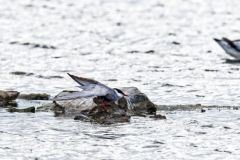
point(49, 77)
point(10, 104)
point(118, 24)
point(92, 109)
point(226, 127)
point(232, 61)
point(218, 150)
point(21, 73)
point(7, 96)
point(211, 70)
point(235, 108)
point(34, 45)
point(150, 51)
point(176, 43)
point(34, 96)
point(82, 117)
point(95, 111)
point(29, 109)
point(207, 126)
point(139, 100)
point(158, 116)
point(172, 34)
point(133, 51)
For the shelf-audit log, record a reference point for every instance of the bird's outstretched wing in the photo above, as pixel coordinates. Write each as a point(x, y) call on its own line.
point(90, 88)
point(83, 81)
point(237, 44)
point(230, 47)
point(234, 44)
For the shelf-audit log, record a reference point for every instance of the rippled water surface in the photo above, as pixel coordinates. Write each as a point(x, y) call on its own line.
point(165, 48)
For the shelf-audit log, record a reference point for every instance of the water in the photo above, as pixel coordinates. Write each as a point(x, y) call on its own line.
point(165, 48)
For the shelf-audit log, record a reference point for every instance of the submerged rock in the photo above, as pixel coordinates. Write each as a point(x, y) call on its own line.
point(158, 116)
point(34, 96)
point(21, 73)
point(232, 61)
point(29, 109)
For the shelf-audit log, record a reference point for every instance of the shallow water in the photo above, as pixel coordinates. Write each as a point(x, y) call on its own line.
point(184, 135)
point(165, 48)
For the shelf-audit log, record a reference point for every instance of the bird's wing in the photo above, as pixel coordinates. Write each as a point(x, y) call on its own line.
point(86, 83)
point(229, 47)
point(233, 44)
point(237, 44)
point(96, 90)
point(83, 81)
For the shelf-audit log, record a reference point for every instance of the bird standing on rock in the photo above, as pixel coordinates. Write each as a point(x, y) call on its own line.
point(92, 88)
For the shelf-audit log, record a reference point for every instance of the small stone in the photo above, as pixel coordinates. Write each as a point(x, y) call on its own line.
point(34, 96)
point(81, 117)
point(235, 108)
point(158, 116)
point(21, 73)
point(30, 109)
point(26, 43)
point(176, 43)
point(14, 42)
point(6, 96)
point(118, 23)
point(36, 45)
point(150, 51)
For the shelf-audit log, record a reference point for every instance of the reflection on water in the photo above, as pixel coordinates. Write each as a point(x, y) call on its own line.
point(164, 48)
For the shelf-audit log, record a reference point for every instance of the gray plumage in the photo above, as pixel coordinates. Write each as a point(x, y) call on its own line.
point(230, 47)
point(91, 88)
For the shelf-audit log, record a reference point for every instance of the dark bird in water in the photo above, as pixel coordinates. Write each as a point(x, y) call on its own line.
point(92, 88)
point(230, 47)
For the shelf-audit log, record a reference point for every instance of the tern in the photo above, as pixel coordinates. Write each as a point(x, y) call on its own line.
point(93, 88)
point(230, 47)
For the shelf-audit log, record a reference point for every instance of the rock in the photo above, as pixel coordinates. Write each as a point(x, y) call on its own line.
point(21, 73)
point(158, 116)
point(140, 101)
point(30, 109)
point(150, 51)
point(92, 109)
point(176, 43)
point(34, 45)
point(203, 110)
point(34, 96)
point(232, 61)
point(7, 96)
